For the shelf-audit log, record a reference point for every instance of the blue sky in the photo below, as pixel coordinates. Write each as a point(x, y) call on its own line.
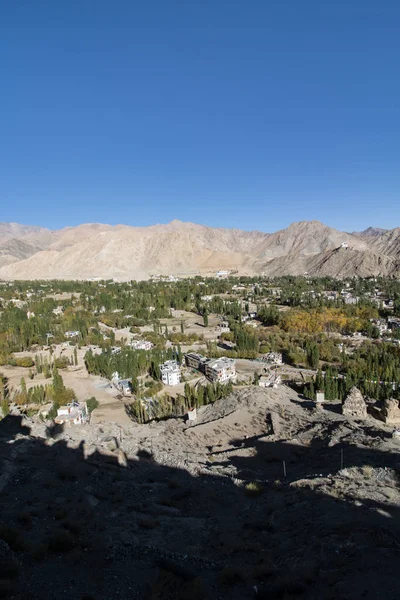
point(232, 114)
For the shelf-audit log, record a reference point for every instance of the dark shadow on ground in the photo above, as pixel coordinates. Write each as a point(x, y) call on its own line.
point(82, 528)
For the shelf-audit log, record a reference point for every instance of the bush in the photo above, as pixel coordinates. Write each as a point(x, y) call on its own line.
point(24, 361)
point(367, 471)
point(254, 488)
point(61, 363)
point(92, 403)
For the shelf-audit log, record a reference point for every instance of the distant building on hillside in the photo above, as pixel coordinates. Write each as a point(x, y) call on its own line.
point(270, 380)
point(273, 358)
point(75, 413)
point(71, 334)
point(170, 373)
point(195, 361)
point(221, 370)
point(125, 387)
point(141, 345)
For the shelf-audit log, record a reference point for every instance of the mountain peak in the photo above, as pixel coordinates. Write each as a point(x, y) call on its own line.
point(371, 232)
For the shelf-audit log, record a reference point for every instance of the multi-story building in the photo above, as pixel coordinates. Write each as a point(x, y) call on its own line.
point(170, 373)
point(220, 370)
point(195, 361)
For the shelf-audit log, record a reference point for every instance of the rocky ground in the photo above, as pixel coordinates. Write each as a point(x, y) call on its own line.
point(263, 496)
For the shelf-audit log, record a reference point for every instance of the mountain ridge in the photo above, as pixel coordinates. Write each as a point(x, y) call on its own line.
point(182, 248)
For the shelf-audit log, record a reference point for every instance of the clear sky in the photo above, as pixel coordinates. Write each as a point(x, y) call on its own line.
point(249, 114)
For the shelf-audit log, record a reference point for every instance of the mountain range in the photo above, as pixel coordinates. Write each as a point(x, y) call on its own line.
point(182, 249)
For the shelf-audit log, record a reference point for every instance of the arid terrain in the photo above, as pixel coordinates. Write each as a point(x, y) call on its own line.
point(265, 496)
point(186, 249)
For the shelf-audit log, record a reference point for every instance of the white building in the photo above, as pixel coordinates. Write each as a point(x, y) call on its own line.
point(141, 345)
point(270, 380)
point(222, 328)
point(71, 334)
point(170, 373)
point(124, 386)
point(75, 413)
point(221, 370)
point(350, 299)
point(344, 245)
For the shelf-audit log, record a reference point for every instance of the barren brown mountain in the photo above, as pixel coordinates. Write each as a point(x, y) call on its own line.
point(124, 252)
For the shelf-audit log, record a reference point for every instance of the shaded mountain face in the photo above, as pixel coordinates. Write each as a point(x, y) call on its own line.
point(182, 249)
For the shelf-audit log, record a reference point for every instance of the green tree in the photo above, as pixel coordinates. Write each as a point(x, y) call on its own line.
point(24, 391)
point(313, 356)
point(58, 386)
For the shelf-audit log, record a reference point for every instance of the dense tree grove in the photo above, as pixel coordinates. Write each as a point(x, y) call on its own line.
point(128, 363)
point(310, 320)
point(373, 368)
point(148, 409)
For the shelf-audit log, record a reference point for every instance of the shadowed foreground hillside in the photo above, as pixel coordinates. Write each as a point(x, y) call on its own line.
point(81, 528)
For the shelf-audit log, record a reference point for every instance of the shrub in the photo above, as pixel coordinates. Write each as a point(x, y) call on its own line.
point(24, 361)
point(367, 471)
point(92, 403)
point(253, 488)
point(61, 363)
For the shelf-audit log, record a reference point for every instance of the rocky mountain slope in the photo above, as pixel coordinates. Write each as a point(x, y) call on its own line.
point(124, 252)
point(370, 232)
